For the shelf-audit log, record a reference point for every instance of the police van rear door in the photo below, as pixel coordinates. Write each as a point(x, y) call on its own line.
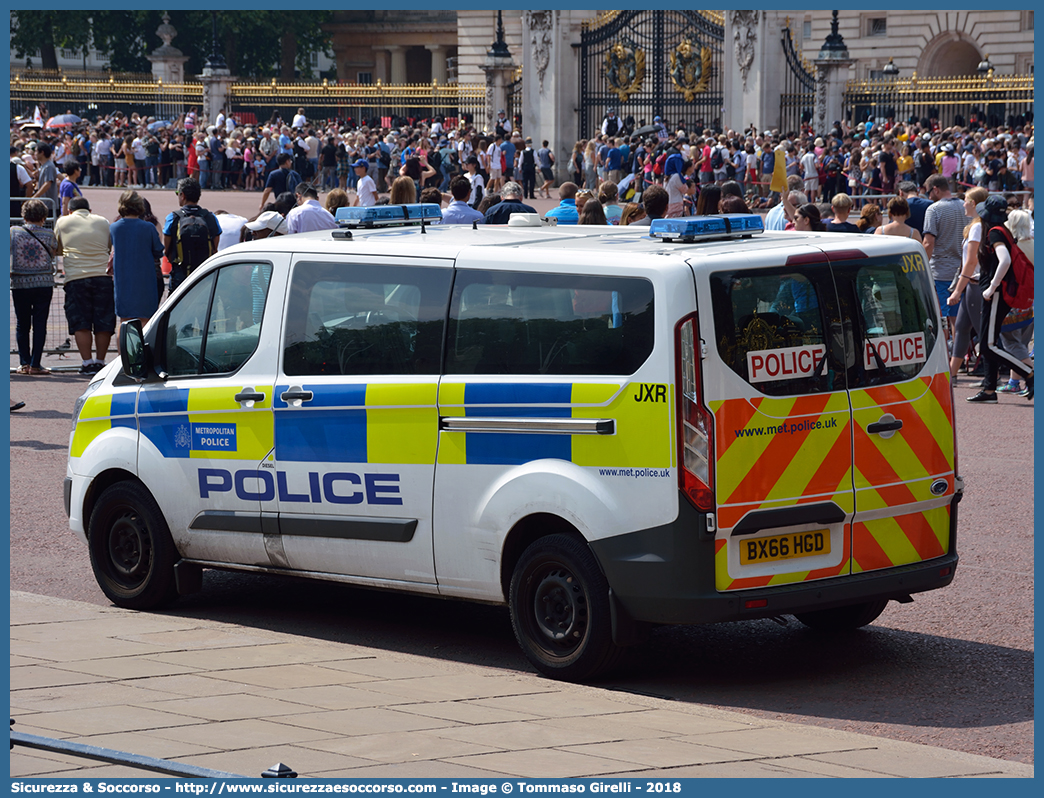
point(774, 376)
point(902, 428)
point(356, 424)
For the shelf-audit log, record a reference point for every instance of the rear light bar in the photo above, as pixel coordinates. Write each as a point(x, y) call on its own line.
point(695, 423)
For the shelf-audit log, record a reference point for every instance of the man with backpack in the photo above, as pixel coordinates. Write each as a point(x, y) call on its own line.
point(718, 159)
point(190, 234)
point(281, 180)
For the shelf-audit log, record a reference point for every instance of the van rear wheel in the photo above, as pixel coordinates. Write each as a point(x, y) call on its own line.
point(559, 602)
point(131, 549)
point(840, 619)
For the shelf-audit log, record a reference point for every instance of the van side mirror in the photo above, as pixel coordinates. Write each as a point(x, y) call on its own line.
point(133, 350)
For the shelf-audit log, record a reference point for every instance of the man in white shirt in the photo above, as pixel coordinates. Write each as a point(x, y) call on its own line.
point(366, 189)
point(138, 147)
point(231, 226)
point(309, 214)
point(220, 121)
point(299, 119)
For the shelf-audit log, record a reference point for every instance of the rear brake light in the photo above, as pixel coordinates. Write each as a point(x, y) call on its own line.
point(753, 604)
point(695, 423)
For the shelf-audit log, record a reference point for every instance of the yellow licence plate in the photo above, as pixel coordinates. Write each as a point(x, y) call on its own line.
point(784, 547)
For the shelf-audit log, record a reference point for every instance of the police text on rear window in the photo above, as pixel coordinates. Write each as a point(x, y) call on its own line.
point(773, 327)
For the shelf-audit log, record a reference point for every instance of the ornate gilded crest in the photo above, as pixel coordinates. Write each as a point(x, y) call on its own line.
point(690, 68)
point(625, 68)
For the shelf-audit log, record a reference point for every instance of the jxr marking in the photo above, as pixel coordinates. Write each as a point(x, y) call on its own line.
point(913, 263)
point(651, 393)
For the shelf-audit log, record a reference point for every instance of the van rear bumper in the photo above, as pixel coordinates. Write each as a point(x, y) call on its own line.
point(666, 575)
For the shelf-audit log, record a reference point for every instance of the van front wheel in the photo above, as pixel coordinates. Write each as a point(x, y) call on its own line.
point(132, 552)
point(840, 619)
point(559, 601)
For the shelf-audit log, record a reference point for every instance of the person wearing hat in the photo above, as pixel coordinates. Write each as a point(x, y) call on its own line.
point(365, 189)
point(610, 124)
point(503, 126)
point(994, 266)
point(267, 223)
point(661, 129)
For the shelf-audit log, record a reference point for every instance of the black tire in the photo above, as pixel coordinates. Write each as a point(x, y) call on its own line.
point(840, 619)
point(132, 553)
point(559, 602)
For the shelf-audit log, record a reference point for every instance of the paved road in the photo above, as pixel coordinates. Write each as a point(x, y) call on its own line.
point(953, 669)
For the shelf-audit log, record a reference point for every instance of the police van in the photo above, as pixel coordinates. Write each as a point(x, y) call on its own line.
point(605, 428)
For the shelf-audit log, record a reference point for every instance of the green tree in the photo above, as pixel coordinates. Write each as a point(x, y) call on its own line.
point(45, 31)
point(255, 44)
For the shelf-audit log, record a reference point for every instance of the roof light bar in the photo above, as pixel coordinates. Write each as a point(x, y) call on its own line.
point(695, 228)
point(388, 215)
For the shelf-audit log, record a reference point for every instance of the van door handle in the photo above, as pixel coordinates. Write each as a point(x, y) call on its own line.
point(296, 395)
point(886, 424)
point(249, 396)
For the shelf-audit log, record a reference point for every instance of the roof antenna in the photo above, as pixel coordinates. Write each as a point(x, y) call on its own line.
point(423, 231)
point(474, 224)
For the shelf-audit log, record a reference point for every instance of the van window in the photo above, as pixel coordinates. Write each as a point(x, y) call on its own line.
point(769, 325)
point(215, 331)
point(512, 323)
point(891, 300)
point(358, 319)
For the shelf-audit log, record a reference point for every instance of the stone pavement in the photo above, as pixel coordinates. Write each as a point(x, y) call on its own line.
point(239, 700)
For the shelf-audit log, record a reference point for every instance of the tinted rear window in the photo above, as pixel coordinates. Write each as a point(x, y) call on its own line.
point(769, 325)
point(511, 323)
point(892, 302)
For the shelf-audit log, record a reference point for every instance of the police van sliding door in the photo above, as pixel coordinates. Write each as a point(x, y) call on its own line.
point(902, 416)
point(207, 427)
point(548, 400)
point(356, 425)
point(782, 440)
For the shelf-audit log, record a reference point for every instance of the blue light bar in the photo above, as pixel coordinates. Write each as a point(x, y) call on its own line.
point(744, 223)
point(693, 228)
point(383, 215)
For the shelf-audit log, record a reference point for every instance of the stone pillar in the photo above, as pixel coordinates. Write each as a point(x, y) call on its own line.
point(168, 66)
point(168, 62)
point(499, 68)
point(550, 89)
point(438, 62)
point(831, 65)
point(381, 65)
point(398, 63)
point(216, 83)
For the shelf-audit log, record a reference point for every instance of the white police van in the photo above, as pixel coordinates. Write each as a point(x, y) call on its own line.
point(605, 428)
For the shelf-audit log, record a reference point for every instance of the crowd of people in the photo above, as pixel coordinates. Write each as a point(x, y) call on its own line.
point(914, 179)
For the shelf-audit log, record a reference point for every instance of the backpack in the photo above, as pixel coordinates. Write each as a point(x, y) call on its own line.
point(730, 169)
point(768, 162)
point(478, 197)
point(193, 239)
point(292, 179)
point(658, 163)
point(1017, 287)
point(384, 156)
point(717, 160)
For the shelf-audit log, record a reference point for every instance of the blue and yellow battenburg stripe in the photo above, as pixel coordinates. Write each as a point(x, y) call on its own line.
point(206, 422)
point(376, 423)
point(644, 429)
point(393, 423)
point(99, 414)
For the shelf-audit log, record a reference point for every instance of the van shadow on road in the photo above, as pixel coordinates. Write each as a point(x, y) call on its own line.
point(874, 675)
